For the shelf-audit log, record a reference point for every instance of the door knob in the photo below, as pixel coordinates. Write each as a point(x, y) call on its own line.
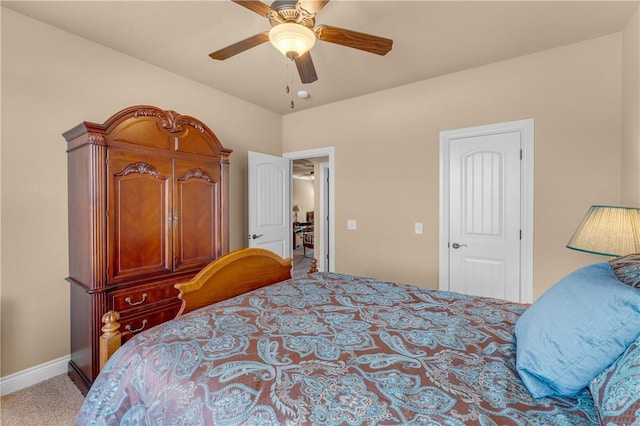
point(457, 246)
point(254, 236)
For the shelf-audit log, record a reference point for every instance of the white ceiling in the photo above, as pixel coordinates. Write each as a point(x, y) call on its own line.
point(431, 38)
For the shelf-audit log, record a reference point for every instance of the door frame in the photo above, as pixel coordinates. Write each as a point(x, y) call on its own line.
point(330, 153)
point(325, 203)
point(526, 129)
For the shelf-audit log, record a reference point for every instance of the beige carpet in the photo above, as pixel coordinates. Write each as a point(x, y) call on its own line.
point(301, 264)
point(54, 402)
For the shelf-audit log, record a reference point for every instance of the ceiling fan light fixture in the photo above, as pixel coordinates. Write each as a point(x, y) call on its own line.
point(293, 40)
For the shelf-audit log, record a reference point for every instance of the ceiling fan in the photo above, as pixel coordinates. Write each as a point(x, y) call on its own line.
point(294, 32)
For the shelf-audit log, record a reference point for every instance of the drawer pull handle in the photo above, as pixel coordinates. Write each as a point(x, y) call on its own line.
point(137, 330)
point(128, 300)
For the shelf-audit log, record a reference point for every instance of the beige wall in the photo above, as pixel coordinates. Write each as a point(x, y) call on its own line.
point(51, 81)
point(387, 155)
point(631, 112)
point(303, 197)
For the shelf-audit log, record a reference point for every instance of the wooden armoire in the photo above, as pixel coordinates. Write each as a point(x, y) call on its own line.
point(148, 208)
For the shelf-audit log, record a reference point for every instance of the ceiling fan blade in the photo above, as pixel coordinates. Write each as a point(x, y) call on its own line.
point(306, 69)
point(255, 6)
point(240, 46)
point(367, 42)
point(313, 6)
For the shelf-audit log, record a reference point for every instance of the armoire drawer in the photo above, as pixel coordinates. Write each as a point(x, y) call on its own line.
point(132, 325)
point(142, 297)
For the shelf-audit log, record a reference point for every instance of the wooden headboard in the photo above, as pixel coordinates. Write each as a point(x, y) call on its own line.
point(228, 276)
point(231, 275)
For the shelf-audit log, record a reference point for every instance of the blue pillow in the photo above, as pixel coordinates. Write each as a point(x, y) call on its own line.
point(575, 330)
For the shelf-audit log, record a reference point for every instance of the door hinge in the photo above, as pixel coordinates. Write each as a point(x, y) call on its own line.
point(521, 234)
point(520, 154)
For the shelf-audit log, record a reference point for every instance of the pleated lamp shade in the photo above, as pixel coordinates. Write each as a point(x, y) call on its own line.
point(608, 230)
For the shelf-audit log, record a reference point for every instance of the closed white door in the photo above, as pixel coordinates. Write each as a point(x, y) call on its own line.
point(269, 203)
point(484, 229)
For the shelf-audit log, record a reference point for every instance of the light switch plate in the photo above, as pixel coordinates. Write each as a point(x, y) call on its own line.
point(351, 224)
point(418, 228)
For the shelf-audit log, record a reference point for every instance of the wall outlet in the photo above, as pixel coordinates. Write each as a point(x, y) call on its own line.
point(351, 224)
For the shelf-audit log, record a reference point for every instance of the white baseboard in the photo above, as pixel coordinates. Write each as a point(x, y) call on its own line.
point(33, 375)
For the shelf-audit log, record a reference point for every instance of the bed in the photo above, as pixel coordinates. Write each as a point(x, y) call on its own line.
point(331, 348)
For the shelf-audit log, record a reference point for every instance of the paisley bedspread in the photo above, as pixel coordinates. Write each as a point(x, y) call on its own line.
point(329, 349)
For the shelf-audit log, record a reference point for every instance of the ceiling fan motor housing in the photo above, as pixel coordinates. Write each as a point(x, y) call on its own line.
point(290, 11)
point(291, 28)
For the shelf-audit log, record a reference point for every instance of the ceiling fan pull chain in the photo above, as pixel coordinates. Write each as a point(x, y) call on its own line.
point(287, 71)
point(290, 78)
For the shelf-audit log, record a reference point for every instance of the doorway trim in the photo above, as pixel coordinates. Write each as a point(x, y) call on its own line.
point(526, 129)
point(330, 153)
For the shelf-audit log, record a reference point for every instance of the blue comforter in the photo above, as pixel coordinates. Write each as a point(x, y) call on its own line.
point(329, 349)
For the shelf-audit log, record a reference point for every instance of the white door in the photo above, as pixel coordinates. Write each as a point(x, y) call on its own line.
point(485, 220)
point(269, 203)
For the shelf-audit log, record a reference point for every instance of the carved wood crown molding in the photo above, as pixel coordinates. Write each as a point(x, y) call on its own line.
point(142, 168)
point(171, 120)
point(96, 139)
point(197, 173)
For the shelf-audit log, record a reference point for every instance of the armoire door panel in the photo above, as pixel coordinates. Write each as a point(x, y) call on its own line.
point(196, 225)
point(139, 215)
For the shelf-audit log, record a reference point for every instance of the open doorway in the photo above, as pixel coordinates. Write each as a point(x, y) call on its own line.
point(312, 209)
point(305, 205)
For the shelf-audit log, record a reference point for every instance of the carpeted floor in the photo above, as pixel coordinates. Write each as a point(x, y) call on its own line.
point(301, 264)
point(54, 402)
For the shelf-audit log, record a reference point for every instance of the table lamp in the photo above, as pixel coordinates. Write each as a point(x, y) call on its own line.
point(609, 231)
point(296, 209)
